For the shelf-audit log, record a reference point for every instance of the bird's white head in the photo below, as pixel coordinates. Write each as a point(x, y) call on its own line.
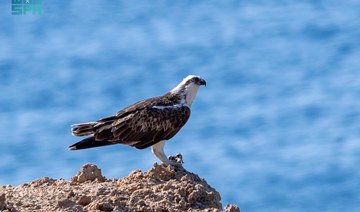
point(188, 88)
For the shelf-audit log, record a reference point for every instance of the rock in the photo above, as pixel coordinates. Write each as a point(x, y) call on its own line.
point(232, 208)
point(88, 172)
point(66, 203)
point(69, 205)
point(2, 202)
point(162, 188)
point(46, 181)
point(84, 200)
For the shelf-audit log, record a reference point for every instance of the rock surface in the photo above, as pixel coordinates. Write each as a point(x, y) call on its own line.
point(162, 188)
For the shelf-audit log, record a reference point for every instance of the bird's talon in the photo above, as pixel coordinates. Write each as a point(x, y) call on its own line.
point(177, 159)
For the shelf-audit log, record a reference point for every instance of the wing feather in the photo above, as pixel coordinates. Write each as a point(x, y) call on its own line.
point(150, 125)
point(141, 124)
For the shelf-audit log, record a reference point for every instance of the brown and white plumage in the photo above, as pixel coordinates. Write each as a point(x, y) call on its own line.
point(149, 122)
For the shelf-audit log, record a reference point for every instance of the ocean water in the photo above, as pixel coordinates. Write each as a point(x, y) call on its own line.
point(276, 129)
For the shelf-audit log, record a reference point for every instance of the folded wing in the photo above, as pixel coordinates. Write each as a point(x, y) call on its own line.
point(143, 127)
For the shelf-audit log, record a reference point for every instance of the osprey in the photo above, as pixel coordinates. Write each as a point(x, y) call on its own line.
point(150, 122)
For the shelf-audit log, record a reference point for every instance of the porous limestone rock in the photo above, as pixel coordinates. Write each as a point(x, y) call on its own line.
point(162, 188)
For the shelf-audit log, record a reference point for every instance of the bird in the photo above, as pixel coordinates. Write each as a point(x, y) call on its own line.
point(149, 122)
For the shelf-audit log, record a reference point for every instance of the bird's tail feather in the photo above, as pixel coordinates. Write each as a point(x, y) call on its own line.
point(89, 143)
point(83, 128)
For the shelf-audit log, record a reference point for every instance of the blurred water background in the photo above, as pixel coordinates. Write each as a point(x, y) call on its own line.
point(276, 129)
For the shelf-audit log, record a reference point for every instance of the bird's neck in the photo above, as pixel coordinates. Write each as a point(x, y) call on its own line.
point(186, 95)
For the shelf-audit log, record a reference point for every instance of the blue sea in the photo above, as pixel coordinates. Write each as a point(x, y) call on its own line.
point(276, 129)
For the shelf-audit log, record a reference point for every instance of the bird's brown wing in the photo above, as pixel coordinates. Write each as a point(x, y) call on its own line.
point(143, 126)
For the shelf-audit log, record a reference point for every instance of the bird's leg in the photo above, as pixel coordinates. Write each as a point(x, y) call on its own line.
point(158, 150)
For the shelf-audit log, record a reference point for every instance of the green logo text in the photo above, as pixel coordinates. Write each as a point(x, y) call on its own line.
point(25, 7)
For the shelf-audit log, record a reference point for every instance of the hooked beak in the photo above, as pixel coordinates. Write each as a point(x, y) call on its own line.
point(203, 82)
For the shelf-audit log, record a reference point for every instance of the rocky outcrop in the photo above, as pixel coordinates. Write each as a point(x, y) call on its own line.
point(162, 188)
